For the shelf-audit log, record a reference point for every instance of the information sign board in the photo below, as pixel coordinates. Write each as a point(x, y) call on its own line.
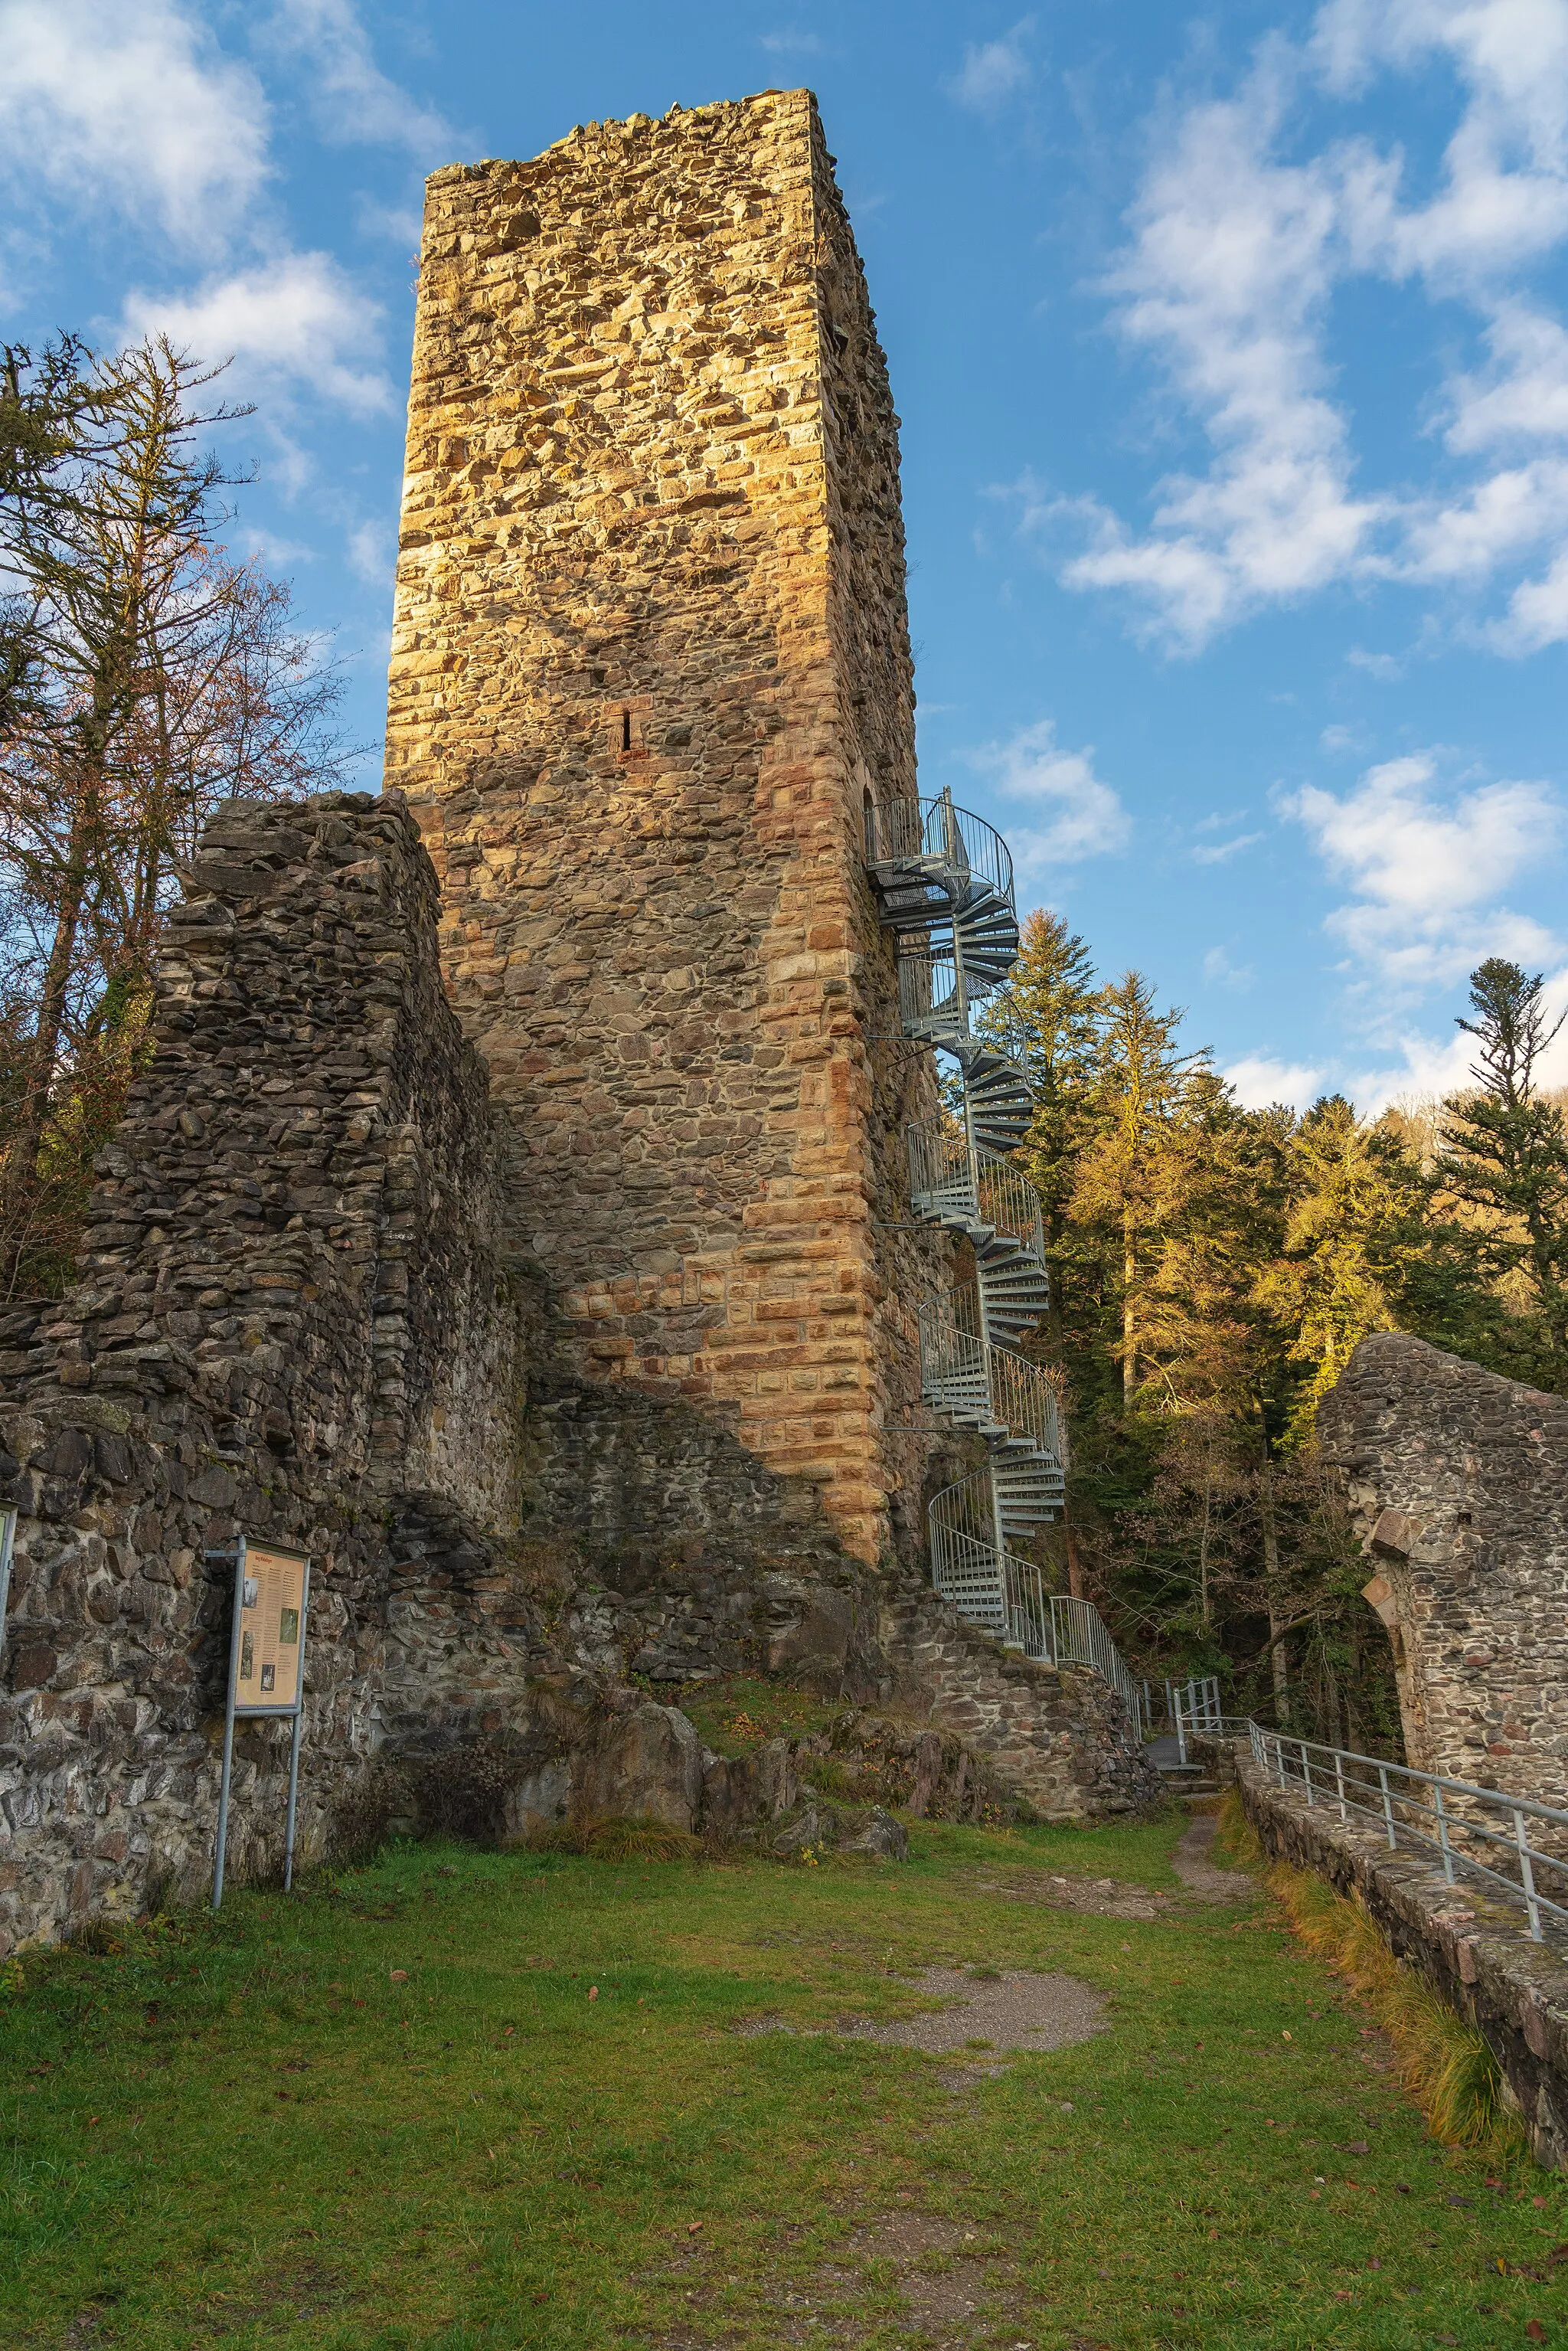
point(271, 1630)
point(267, 1669)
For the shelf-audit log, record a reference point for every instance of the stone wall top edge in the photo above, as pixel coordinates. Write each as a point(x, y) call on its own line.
point(1392, 1366)
point(579, 137)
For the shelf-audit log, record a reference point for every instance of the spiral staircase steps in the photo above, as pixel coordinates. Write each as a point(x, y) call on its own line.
point(943, 882)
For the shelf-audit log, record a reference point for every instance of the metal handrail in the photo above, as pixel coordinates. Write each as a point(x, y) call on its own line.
point(1194, 1709)
point(993, 1587)
point(1019, 1396)
point(935, 833)
point(972, 1182)
point(1462, 1815)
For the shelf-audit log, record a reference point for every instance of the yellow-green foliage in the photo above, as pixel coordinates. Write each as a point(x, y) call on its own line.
point(1444, 2062)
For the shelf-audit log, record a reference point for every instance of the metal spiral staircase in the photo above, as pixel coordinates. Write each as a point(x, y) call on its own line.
point(944, 885)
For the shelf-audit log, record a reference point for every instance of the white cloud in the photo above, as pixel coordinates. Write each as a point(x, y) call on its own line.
point(993, 71)
point(1220, 852)
point(1537, 611)
point(1082, 816)
point(372, 554)
point(1384, 667)
point(1426, 874)
point(1430, 1067)
point(351, 96)
point(131, 106)
point(1235, 256)
point(1220, 972)
point(1226, 281)
point(1523, 395)
point(1259, 1081)
point(298, 323)
point(786, 42)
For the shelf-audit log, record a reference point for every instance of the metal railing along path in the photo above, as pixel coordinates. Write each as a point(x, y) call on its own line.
point(1194, 1707)
point(1478, 1832)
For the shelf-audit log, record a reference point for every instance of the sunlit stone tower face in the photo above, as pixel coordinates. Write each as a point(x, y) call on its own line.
point(651, 670)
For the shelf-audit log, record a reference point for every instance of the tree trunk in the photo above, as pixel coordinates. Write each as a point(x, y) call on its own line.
point(1129, 1324)
point(1075, 1571)
point(22, 1173)
point(1278, 1615)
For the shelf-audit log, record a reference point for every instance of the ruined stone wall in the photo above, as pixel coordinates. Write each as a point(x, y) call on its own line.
point(1458, 1485)
point(649, 662)
point(290, 1317)
point(296, 1315)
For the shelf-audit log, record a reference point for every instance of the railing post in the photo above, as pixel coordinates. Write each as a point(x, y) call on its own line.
point(1181, 1731)
point(1307, 1772)
point(1443, 1831)
point(1339, 1783)
point(1527, 1874)
point(1388, 1807)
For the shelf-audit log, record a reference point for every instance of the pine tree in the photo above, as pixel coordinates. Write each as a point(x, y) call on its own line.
point(1352, 1233)
point(1503, 1153)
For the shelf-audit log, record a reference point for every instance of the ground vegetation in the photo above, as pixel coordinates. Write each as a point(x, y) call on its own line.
point(481, 2098)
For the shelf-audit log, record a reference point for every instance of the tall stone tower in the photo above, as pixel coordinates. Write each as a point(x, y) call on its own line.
point(651, 671)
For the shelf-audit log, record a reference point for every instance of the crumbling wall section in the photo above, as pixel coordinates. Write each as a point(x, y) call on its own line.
point(291, 1314)
point(1457, 1482)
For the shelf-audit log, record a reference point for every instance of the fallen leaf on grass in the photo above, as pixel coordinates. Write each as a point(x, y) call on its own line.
point(692, 2228)
point(593, 1991)
point(400, 1975)
point(1535, 2332)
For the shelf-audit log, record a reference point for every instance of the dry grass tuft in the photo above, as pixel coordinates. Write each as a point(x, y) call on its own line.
point(1443, 2062)
point(640, 1840)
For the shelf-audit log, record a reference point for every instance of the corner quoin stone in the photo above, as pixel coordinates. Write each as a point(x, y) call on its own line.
point(651, 666)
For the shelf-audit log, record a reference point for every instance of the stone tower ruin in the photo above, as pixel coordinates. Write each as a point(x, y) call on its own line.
point(539, 1208)
point(651, 671)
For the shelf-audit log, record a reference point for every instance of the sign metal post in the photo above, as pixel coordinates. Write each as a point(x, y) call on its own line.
point(8, 1541)
point(266, 1671)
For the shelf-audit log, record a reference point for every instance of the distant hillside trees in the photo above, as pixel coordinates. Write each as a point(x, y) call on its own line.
point(146, 675)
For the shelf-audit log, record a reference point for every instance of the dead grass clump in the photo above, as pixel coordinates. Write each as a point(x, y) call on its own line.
point(617, 1840)
point(1443, 2061)
point(640, 1840)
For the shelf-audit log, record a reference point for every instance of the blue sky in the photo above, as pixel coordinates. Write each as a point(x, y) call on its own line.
point(1232, 353)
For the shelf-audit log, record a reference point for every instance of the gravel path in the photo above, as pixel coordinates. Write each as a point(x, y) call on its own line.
point(1198, 1874)
point(1012, 2010)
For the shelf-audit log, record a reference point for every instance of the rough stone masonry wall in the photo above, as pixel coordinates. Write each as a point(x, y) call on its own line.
point(290, 1317)
point(1458, 1486)
point(649, 664)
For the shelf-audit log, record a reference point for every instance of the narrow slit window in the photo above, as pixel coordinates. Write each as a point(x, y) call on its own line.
point(625, 730)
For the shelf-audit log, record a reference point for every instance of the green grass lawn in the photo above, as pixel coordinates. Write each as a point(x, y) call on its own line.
point(389, 2112)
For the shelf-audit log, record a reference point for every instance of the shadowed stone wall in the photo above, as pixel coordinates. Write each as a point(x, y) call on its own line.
point(1457, 1482)
point(649, 664)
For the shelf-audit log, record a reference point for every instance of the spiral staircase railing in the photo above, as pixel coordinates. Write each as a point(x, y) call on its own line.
point(943, 879)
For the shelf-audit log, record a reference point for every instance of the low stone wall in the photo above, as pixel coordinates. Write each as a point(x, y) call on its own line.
point(1473, 1952)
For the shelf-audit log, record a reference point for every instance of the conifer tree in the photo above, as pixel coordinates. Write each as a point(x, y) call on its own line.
point(1503, 1151)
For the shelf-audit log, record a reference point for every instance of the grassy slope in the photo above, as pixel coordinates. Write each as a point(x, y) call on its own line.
point(256, 2135)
